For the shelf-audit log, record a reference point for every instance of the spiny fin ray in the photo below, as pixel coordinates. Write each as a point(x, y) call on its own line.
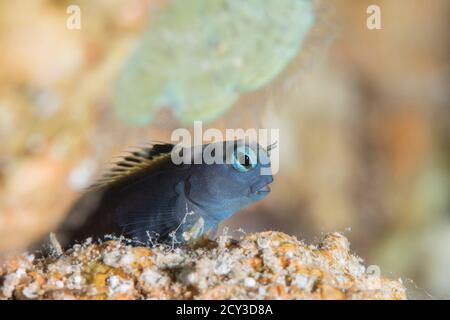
point(138, 160)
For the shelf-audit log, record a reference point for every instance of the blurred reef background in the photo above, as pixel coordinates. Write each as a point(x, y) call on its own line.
point(363, 115)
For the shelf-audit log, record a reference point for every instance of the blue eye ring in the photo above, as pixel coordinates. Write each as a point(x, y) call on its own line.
point(244, 159)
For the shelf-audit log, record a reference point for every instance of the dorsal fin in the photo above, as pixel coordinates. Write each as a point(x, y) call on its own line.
point(132, 163)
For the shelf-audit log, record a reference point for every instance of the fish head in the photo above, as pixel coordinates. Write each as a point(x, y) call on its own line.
point(240, 175)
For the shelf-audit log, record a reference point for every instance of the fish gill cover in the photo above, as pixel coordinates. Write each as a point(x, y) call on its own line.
point(198, 56)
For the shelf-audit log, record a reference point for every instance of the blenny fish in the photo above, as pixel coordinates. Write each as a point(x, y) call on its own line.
point(148, 196)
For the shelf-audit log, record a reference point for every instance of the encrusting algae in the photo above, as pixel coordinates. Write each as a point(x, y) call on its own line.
point(267, 265)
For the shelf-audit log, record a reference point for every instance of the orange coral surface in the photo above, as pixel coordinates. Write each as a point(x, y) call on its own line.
point(268, 265)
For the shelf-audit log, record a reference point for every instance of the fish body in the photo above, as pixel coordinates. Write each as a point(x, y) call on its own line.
point(148, 195)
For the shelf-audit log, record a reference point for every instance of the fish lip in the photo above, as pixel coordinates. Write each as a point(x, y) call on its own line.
point(263, 190)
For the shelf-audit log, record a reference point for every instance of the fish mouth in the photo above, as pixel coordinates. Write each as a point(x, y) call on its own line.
point(263, 190)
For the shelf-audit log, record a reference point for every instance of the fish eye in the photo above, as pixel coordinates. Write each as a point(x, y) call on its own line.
point(244, 159)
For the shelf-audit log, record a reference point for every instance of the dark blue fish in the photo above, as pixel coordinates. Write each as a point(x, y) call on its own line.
point(148, 195)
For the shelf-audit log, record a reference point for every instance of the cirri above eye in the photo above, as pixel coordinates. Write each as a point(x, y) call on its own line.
point(244, 159)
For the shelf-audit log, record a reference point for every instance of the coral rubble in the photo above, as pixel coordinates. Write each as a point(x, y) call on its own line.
point(268, 265)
